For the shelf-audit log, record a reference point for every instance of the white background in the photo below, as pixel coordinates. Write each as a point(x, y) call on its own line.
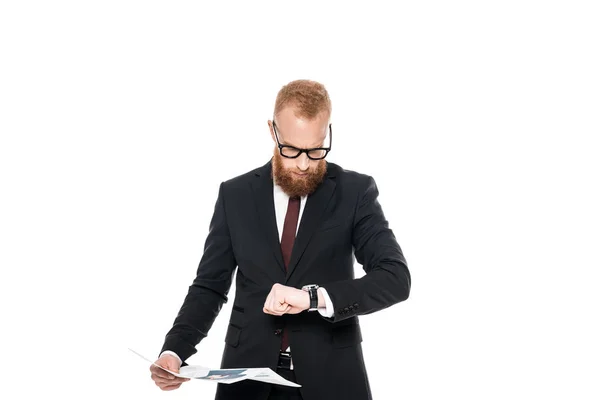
point(478, 120)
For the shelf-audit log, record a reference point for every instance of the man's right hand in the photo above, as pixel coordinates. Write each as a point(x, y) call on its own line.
point(164, 379)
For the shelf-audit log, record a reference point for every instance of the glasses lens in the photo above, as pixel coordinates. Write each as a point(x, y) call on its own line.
point(317, 153)
point(289, 152)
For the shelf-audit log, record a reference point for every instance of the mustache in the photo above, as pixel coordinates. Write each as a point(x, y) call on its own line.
point(289, 181)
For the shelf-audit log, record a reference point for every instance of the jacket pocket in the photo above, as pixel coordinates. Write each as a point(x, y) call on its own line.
point(238, 317)
point(238, 308)
point(328, 225)
point(346, 335)
point(232, 337)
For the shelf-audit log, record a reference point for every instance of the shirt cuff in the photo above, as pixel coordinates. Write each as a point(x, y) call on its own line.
point(169, 352)
point(326, 311)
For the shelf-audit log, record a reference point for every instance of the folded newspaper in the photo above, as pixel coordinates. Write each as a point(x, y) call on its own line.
point(231, 375)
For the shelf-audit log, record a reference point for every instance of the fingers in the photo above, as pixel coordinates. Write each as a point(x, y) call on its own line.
point(165, 380)
point(275, 304)
point(279, 306)
point(276, 307)
point(169, 382)
point(277, 313)
point(267, 305)
point(168, 387)
point(172, 387)
point(161, 373)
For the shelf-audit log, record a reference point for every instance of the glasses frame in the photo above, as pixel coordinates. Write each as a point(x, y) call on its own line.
point(300, 151)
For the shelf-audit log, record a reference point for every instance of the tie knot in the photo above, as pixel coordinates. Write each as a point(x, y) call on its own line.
point(295, 198)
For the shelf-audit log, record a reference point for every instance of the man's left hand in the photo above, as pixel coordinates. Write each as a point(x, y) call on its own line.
point(286, 300)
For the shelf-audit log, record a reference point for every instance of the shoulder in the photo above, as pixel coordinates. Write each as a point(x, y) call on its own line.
point(350, 178)
point(241, 182)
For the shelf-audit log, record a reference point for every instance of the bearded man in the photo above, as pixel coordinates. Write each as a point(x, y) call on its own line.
point(292, 228)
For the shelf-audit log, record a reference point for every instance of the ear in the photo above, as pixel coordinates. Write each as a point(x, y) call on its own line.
point(270, 123)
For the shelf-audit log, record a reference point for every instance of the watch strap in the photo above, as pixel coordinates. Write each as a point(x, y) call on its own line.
point(314, 298)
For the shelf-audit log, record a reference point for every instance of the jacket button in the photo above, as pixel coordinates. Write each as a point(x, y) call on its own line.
point(340, 311)
point(278, 332)
point(355, 305)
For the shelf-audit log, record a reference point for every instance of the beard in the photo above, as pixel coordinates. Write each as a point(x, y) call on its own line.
point(294, 185)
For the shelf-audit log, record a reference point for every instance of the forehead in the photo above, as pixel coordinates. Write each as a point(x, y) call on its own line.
point(301, 132)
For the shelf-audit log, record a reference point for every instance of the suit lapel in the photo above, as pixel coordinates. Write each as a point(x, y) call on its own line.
point(316, 204)
point(262, 186)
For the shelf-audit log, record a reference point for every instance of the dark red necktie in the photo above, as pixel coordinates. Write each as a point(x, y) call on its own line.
point(287, 244)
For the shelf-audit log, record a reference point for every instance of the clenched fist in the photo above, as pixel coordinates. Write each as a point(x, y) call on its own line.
point(286, 300)
point(164, 379)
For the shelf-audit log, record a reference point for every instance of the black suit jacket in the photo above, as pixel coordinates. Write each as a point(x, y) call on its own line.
point(340, 218)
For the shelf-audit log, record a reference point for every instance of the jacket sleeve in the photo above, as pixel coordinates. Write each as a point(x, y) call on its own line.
point(209, 290)
point(387, 280)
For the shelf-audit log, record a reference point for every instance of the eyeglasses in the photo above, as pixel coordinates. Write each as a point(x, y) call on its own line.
point(317, 153)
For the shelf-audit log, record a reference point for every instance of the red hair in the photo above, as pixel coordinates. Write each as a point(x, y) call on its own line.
point(309, 98)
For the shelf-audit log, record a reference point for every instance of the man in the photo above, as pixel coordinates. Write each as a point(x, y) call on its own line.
point(291, 227)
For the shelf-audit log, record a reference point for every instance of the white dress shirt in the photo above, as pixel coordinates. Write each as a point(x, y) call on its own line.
point(281, 204)
point(281, 200)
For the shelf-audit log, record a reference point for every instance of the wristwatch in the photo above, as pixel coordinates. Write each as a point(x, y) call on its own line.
point(312, 293)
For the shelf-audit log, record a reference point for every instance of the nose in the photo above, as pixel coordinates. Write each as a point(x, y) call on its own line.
point(302, 162)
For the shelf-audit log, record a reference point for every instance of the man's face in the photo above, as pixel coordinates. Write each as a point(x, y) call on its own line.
point(299, 176)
